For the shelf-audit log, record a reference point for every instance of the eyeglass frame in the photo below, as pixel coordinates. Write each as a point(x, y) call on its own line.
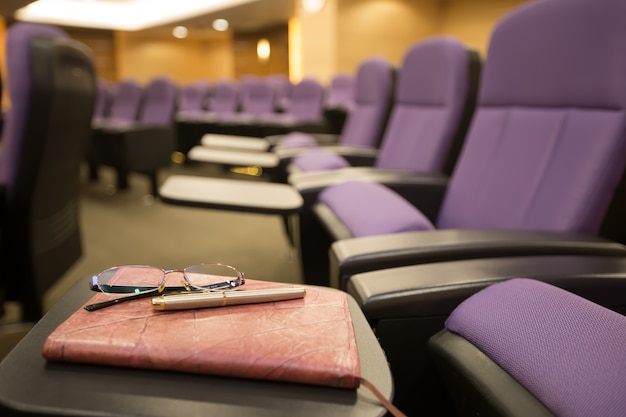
point(162, 287)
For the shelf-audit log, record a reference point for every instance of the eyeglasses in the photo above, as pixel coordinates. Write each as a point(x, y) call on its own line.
point(143, 281)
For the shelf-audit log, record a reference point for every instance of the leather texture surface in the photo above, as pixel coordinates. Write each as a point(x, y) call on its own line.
point(310, 340)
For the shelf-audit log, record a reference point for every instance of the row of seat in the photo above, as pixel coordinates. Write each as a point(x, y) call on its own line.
point(408, 305)
point(137, 129)
point(528, 195)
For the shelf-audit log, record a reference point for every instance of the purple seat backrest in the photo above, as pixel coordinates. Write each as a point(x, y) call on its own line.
point(430, 99)
point(126, 101)
point(257, 97)
point(103, 99)
point(282, 89)
point(224, 97)
point(306, 100)
point(159, 103)
point(193, 97)
point(340, 93)
point(373, 94)
point(19, 87)
point(547, 142)
point(565, 350)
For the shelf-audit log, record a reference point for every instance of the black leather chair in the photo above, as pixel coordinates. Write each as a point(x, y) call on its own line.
point(52, 88)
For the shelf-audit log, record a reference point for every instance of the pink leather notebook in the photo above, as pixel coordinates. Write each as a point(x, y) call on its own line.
point(309, 340)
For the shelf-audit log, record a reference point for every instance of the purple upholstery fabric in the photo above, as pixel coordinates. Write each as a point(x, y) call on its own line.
point(430, 99)
point(282, 90)
point(297, 140)
point(373, 95)
point(103, 99)
point(160, 103)
point(193, 97)
point(567, 351)
point(258, 98)
point(19, 37)
point(366, 121)
point(428, 104)
point(305, 104)
point(320, 159)
point(224, 97)
point(546, 148)
point(127, 101)
point(367, 201)
point(340, 93)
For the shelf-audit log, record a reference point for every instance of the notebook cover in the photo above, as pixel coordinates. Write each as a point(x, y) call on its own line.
point(309, 340)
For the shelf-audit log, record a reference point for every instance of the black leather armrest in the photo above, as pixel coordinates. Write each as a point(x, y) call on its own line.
point(481, 386)
point(352, 256)
point(436, 289)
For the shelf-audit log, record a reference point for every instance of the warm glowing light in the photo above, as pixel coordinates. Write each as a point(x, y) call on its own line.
point(220, 25)
point(180, 32)
point(295, 50)
point(119, 15)
point(313, 6)
point(263, 49)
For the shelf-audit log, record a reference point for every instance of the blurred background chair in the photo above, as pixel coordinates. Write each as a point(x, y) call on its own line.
point(526, 348)
point(104, 99)
point(543, 152)
point(193, 99)
point(257, 97)
point(433, 106)
point(52, 89)
point(191, 126)
point(125, 105)
point(122, 112)
point(339, 100)
point(434, 100)
point(145, 145)
point(363, 129)
point(304, 111)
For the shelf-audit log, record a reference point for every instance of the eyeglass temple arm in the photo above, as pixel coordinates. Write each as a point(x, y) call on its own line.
point(108, 303)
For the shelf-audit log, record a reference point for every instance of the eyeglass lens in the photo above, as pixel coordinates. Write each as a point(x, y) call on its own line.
point(136, 279)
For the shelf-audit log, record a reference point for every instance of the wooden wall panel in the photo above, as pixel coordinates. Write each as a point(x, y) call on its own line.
point(245, 52)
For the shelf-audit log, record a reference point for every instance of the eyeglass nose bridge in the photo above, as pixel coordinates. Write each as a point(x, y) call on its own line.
point(184, 282)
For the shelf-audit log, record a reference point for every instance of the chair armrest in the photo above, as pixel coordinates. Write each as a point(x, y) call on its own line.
point(351, 256)
point(425, 191)
point(436, 289)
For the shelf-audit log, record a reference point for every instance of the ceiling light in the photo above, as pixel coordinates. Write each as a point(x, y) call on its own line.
point(313, 6)
point(220, 25)
point(119, 15)
point(180, 32)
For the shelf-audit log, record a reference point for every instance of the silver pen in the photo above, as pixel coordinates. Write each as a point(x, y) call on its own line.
point(224, 298)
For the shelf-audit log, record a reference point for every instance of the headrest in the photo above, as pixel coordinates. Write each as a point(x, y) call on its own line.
point(524, 46)
point(373, 81)
point(430, 71)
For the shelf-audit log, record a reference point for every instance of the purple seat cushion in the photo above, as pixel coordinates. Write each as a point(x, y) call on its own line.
point(319, 160)
point(567, 351)
point(358, 205)
point(297, 140)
